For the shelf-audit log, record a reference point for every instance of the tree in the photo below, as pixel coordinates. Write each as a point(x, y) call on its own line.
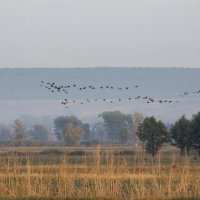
point(61, 122)
point(40, 132)
point(117, 126)
point(72, 135)
point(86, 131)
point(19, 132)
point(196, 131)
point(181, 134)
point(153, 134)
point(137, 120)
point(5, 133)
point(59, 126)
point(99, 132)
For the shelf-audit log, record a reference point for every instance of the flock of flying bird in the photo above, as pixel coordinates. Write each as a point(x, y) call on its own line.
point(52, 87)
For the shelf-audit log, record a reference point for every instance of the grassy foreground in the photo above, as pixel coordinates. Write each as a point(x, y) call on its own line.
point(34, 198)
point(97, 174)
point(84, 199)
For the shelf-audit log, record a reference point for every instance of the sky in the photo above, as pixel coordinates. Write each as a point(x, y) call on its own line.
point(93, 33)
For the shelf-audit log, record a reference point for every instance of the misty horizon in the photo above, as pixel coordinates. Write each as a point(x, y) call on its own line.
point(21, 93)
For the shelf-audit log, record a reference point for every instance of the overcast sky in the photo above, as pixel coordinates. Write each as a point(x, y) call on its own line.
point(90, 33)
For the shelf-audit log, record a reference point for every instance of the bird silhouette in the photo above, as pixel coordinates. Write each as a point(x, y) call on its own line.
point(138, 97)
point(66, 89)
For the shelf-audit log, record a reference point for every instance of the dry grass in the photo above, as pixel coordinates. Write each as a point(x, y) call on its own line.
point(101, 173)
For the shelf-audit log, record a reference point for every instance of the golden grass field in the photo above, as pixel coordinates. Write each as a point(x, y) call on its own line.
point(97, 173)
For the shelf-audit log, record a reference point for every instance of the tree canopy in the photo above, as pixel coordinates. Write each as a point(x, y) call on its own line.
point(181, 133)
point(196, 131)
point(153, 134)
point(5, 133)
point(86, 131)
point(19, 132)
point(72, 135)
point(40, 132)
point(118, 126)
point(61, 122)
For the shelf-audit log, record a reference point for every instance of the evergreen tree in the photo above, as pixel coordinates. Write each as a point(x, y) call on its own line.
point(196, 131)
point(153, 134)
point(181, 135)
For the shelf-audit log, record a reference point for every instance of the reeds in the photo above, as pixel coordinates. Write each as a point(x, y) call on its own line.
point(103, 174)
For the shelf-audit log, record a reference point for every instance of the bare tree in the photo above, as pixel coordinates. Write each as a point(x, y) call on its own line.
point(19, 132)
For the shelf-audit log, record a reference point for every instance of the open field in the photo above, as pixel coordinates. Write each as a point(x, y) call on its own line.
point(97, 173)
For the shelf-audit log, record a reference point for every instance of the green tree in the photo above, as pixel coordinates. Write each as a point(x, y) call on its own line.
point(86, 131)
point(117, 125)
point(196, 132)
point(59, 126)
point(19, 132)
point(99, 132)
point(181, 135)
point(61, 122)
point(72, 135)
point(153, 134)
point(40, 132)
point(5, 133)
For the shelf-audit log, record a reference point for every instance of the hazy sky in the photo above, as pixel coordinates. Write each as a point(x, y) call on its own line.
point(89, 33)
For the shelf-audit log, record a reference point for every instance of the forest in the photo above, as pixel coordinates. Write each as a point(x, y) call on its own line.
point(113, 127)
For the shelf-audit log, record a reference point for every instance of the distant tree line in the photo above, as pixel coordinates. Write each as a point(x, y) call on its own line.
point(114, 128)
point(19, 135)
point(117, 127)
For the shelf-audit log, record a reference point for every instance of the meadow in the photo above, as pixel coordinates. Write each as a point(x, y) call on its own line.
point(96, 173)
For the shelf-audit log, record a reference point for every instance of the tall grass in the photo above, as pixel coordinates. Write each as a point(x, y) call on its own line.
point(101, 174)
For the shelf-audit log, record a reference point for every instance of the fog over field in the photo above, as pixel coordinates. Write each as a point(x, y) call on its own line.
point(21, 94)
